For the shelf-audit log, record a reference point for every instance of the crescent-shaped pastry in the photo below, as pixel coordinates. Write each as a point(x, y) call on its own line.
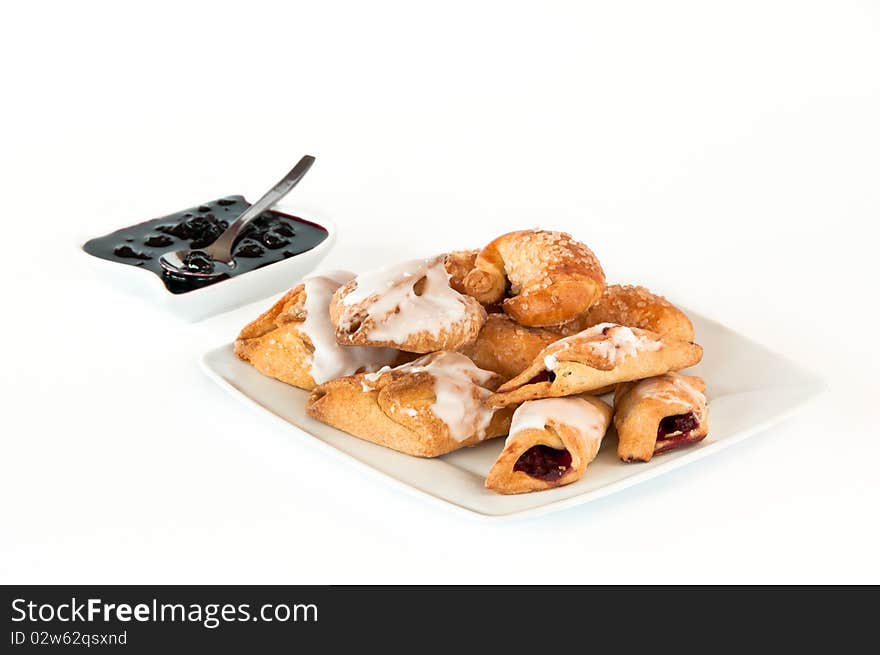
point(506, 347)
point(634, 306)
point(551, 442)
point(591, 360)
point(295, 342)
point(656, 415)
point(550, 278)
point(428, 407)
point(409, 306)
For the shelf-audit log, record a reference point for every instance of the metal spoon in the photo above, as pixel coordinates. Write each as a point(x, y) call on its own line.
point(217, 259)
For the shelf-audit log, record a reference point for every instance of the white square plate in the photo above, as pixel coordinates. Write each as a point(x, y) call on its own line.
point(749, 389)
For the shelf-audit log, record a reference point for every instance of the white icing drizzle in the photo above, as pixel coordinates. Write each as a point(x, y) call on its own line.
point(330, 360)
point(458, 389)
point(621, 343)
point(397, 311)
point(664, 387)
point(576, 412)
point(372, 377)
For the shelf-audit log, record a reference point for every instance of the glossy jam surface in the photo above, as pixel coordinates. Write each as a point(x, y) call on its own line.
point(271, 238)
point(675, 431)
point(544, 463)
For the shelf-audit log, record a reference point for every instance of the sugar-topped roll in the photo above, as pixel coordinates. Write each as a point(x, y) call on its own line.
point(659, 414)
point(410, 306)
point(634, 306)
point(590, 361)
point(427, 407)
point(540, 277)
point(551, 443)
point(295, 342)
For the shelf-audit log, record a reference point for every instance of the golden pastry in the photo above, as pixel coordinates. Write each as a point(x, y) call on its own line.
point(295, 342)
point(506, 347)
point(551, 442)
point(602, 355)
point(634, 307)
point(458, 264)
point(409, 306)
point(428, 407)
point(658, 414)
point(549, 277)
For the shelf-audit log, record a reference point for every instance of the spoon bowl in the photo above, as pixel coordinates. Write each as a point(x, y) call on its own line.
point(189, 263)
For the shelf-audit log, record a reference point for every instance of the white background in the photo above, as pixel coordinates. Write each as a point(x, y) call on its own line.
point(724, 154)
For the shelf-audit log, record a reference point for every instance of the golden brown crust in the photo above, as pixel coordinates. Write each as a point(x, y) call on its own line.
point(273, 345)
point(634, 306)
point(396, 408)
point(639, 407)
point(506, 347)
point(552, 278)
point(598, 357)
point(557, 434)
point(458, 264)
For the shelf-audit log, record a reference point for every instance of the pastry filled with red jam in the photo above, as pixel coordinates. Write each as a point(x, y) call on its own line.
point(659, 414)
point(272, 237)
point(550, 444)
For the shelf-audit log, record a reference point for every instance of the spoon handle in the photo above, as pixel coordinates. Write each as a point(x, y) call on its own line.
point(222, 247)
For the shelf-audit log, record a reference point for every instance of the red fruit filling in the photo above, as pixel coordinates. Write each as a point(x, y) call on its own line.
point(675, 431)
point(544, 463)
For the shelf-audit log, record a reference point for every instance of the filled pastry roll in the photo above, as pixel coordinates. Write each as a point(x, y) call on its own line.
point(634, 306)
point(551, 442)
point(544, 278)
point(295, 342)
point(506, 347)
point(603, 355)
point(656, 415)
point(410, 306)
point(427, 407)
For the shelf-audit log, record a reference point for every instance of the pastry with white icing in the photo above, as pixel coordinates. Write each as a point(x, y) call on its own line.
point(427, 407)
point(659, 414)
point(295, 342)
point(410, 306)
point(551, 443)
point(590, 361)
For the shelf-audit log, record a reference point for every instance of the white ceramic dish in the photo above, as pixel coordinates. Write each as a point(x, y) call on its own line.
point(749, 389)
point(228, 294)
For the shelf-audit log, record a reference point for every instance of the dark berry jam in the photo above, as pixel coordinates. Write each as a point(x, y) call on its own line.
point(271, 238)
point(675, 431)
point(198, 262)
point(683, 423)
point(544, 463)
point(543, 376)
